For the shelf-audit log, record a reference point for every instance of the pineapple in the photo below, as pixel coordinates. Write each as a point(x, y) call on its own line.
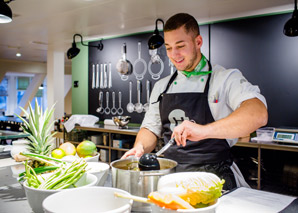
point(38, 127)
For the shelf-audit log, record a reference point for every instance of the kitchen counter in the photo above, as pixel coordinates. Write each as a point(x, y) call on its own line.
point(13, 198)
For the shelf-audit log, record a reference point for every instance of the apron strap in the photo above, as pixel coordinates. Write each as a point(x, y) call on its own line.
point(173, 78)
point(167, 87)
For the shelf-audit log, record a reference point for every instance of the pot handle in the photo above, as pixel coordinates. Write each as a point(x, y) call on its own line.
point(150, 174)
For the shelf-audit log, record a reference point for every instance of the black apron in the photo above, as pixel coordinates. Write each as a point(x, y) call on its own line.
point(210, 155)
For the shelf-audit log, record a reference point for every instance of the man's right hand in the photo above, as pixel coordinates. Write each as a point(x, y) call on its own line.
point(137, 151)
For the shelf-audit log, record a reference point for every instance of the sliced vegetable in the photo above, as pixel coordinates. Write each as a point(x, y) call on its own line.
point(64, 176)
point(169, 201)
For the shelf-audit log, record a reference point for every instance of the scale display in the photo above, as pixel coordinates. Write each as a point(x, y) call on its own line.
point(286, 135)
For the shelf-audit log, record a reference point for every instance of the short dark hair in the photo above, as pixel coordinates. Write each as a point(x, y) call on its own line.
point(182, 19)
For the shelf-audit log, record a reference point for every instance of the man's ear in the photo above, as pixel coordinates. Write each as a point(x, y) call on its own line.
point(199, 41)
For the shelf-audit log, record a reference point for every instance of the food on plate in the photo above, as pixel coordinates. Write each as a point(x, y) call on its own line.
point(199, 189)
point(58, 153)
point(68, 148)
point(86, 148)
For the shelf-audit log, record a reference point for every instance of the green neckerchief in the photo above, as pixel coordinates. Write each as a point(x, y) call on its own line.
point(197, 70)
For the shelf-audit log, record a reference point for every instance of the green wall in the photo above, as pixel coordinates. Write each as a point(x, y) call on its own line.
point(79, 66)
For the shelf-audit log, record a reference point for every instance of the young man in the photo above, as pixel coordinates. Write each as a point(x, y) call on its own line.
point(206, 108)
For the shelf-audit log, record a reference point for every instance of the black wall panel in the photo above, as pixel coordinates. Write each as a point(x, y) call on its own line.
point(112, 52)
point(256, 46)
point(266, 57)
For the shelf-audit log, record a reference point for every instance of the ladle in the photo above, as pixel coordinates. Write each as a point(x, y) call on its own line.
point(120, 110)
point(146, 105)
point(138, 105)
point(107, 109)
point(113, 110)
point(149, 161)
point(100, 109)
point(130, 106)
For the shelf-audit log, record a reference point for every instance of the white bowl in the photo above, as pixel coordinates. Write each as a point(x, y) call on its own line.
point(88, 199)
point(208, 209)
point(265, 133)
point(71, 158)
point(100, 170)
point(35, 197)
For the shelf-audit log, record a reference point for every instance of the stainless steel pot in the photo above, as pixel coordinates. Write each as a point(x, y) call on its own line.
point(139, 183)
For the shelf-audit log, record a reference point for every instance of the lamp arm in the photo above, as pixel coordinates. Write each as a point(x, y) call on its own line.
point(100, 45)
point(156, 22)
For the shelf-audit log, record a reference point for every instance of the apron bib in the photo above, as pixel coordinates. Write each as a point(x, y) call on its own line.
point(211, 155)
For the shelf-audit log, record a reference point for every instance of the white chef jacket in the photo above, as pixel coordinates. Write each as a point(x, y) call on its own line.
point(228, 88)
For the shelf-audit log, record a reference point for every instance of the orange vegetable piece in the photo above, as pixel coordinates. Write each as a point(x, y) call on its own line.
point(169, 201)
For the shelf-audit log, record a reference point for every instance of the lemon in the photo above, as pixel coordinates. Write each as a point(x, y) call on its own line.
point(58, 153)
point(86, 148)
point(68, 148)
point(88, 156)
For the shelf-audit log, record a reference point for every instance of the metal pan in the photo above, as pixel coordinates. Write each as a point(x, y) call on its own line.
point(124, 66)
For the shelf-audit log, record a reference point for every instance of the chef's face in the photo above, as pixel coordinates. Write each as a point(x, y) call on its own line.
point(183, 49)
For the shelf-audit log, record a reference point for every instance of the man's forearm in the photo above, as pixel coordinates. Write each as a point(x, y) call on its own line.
point(146, 139)
point(251, 115)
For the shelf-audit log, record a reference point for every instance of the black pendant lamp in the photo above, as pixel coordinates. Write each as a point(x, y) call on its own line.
point(5, 12)
point(156, 40)
point(291, 27)
point(74, 51)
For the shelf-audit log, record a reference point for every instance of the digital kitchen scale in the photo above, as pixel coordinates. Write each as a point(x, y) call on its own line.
point(286, 136)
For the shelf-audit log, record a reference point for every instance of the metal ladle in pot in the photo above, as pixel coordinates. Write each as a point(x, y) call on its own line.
point(149, 161)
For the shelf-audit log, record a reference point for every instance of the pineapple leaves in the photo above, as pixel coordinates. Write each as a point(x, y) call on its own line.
point(38, 125)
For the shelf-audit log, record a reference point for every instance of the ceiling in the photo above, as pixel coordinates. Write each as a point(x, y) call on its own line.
point(39, 25)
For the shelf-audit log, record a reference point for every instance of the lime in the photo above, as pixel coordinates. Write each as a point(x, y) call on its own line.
point(86, 148)
point(68, 148)
point(88, 156)
point(58, 153)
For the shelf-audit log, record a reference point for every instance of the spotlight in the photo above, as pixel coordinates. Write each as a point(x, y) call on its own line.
point(156, 40)
point(291, 27)
point(74, 51)
point(5, 12)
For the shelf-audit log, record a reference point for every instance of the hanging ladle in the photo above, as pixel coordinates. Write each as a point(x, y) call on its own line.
point(107, 109)
point(146, 105)
point(120, 110)
point(149, 161)
point(130, 106)
point(138, 105)
point(113, 110)
point(100, 109)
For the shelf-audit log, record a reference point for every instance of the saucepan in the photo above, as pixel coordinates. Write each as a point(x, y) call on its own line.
point(126, 176)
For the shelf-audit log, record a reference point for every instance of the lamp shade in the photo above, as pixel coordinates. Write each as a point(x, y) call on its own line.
point(73, 51)
point(5, 12)
point(155, 41)
point(291, 26)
